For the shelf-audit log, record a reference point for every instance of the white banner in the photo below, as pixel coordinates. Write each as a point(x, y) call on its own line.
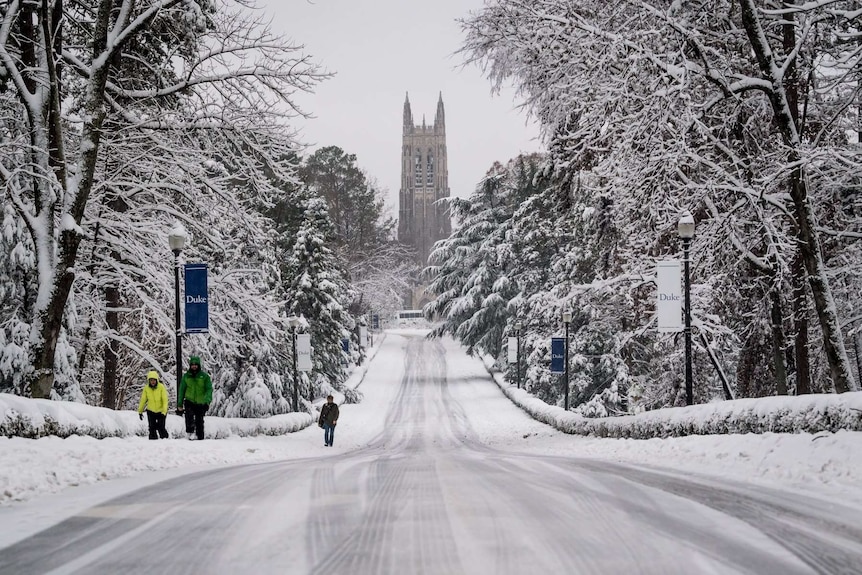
point(513, 350)
point(669, 296)
point(303, 352)
point(363, 336)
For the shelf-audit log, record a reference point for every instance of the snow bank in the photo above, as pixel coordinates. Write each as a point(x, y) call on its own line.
point(34, 418)
point(32, 468)
point(803, 414)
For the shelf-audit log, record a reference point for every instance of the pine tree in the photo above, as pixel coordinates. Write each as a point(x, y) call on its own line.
point(471, 287)
point(316, 289)
point(378, 266)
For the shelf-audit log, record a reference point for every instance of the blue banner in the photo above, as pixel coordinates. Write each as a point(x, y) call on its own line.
point(345, 345)
point(375, 321)
point(558, 351)
point(197, 299)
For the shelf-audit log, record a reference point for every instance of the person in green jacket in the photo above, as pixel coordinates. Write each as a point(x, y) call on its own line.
point(196, 394)
point(154, 397)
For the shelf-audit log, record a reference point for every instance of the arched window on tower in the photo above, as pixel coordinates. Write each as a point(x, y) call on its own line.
point(417, 170)
point(429, 172)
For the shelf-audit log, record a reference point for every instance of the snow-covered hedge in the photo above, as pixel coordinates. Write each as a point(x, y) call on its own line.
point(803, 414)
point(24, 417)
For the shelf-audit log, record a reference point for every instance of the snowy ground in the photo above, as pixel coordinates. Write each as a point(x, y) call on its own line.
point(43, 480)
point(827, 463)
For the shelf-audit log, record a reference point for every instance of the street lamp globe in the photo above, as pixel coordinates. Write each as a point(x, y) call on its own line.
point(518, 326)
point(177, 237)
point(567, 317)
point(685, 227)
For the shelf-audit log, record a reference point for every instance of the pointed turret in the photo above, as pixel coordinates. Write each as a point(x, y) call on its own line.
point(408, 115)
point(424, 181)
point(440, 118)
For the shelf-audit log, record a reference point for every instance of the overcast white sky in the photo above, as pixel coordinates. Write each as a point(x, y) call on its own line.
point(380, 49)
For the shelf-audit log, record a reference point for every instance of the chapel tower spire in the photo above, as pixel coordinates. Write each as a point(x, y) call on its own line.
point(422, 220)
point(408, 115)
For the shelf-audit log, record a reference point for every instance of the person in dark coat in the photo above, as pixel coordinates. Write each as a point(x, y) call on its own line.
point(327, 420)
point(196, 394)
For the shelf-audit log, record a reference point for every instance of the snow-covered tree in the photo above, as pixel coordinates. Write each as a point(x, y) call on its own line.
point(217, 190)
point(355, 203)
point(379, 267)
point(74, 75)
point(381, 279)
point(734, 111)
point(470, 271)
point(317, 290)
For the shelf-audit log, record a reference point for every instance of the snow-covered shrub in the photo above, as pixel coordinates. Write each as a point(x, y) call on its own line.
point(802, 414)
point(34, 418)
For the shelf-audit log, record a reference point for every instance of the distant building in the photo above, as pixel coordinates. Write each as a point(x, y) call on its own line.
point(424, 180)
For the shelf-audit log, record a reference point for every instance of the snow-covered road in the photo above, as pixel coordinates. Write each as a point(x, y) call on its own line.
point(414, 485)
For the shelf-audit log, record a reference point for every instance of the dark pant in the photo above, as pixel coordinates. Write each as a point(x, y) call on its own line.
point(156, 421)
point(195, 417)
point(328, 433)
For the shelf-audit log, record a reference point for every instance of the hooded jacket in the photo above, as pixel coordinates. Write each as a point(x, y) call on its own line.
point(154, 398)
point(196, 388)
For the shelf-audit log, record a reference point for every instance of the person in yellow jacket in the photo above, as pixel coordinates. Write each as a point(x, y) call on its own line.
point(155, 398)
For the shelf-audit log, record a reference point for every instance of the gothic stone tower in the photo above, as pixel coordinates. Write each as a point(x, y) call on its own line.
point(424, 180)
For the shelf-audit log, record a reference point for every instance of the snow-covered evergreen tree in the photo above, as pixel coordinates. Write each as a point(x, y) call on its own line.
point(470, 271)
point(317, 290)
point(379, 268)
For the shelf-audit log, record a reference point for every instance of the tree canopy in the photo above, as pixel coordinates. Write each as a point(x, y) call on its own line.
point(739, 112)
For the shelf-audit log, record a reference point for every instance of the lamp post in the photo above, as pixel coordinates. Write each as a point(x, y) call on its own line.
point(177, 241)
point(518, 327)
point(567, 319)
point(294, 322)
point(685, 229)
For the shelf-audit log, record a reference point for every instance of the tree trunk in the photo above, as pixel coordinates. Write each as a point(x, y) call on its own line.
point(791, 76)
point(800, 298)
point(116, 203)
point(85, 347)
point(112, 320)
point(824, 304)
point(51, 321)
point(800, 323)
point(45, 196)
point(746, 369)
point(49, 318)
point(808, 239)
point(778, 342)
point(857, 349)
